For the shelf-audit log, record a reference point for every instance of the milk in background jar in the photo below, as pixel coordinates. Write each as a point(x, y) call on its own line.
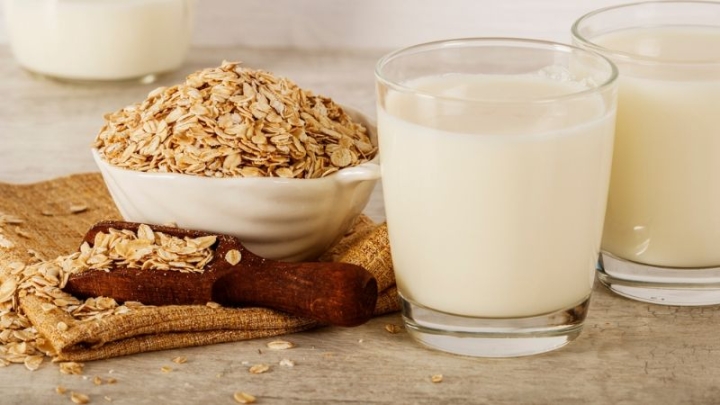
point(99, 39)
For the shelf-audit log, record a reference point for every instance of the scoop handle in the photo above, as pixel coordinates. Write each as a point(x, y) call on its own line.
point(340, 294)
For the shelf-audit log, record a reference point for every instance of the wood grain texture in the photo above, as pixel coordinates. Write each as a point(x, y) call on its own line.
point(629, 352)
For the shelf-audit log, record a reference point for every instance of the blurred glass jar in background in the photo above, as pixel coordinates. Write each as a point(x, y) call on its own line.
point(100, 39)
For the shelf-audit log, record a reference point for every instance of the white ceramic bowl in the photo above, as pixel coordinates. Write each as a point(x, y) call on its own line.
point(276, 218)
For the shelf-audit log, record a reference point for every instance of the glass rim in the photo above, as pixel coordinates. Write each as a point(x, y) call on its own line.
point(622, 56)
point(527, 42)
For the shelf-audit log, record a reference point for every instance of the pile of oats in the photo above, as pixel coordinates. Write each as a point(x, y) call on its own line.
point(233, 121)
point(145, 249)
point(20, 341)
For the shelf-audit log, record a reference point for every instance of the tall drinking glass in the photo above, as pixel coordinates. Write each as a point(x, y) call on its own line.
point(662, 230)
point(495, 157)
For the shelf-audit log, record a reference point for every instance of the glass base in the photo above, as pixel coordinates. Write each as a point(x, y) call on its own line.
point(144, 79)
point(493, 337)
point(660, 285)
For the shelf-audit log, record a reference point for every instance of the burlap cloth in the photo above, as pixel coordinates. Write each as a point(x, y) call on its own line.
point(54, 230)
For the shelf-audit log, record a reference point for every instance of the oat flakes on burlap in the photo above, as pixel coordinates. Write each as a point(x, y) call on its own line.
point(40, 222)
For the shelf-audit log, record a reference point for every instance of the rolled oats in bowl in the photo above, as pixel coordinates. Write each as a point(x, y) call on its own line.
point(233, 121)
point(239, 151)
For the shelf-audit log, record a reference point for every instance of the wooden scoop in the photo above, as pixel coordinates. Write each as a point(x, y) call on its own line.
point(340, 294)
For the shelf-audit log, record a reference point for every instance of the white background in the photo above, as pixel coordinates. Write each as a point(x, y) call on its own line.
point(375, 24)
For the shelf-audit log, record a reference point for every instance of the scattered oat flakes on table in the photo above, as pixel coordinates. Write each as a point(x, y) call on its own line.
point(287, 363)
point(259, 368)
point(79, 398)
point(71, 367)
point(243, 398)
point(280, 345)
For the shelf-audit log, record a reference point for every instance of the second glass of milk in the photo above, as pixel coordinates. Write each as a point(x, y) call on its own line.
point(662, 229)
point(100, 40)
point(495, 157)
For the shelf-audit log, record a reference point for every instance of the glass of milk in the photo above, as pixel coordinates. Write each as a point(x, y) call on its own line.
point(99, 40)
point(495, 157)
point(661, 242)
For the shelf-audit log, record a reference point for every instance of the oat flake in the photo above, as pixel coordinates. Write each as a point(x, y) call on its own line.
point(243, 398)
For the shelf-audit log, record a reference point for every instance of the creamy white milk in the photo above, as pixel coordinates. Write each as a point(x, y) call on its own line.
point(99, 39)
point(664, 202)
point(493, 210)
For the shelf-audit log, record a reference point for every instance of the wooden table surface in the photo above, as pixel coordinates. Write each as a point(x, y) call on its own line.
point(629, 352)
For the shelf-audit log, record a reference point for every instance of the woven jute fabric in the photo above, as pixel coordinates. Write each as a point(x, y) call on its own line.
point(55, 229)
